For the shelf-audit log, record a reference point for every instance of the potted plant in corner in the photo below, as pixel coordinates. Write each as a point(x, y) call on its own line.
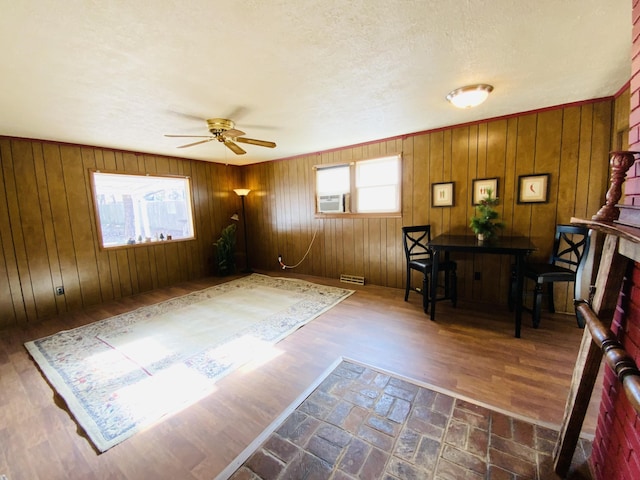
point(226, 251)
point(485, 224)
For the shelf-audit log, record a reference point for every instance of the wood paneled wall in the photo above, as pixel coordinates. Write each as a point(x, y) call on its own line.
point(620, 130)
point(571, 143)
point(48, 233)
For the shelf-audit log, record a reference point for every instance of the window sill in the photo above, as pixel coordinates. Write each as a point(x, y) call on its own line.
point(152, 243)
point(357, 215)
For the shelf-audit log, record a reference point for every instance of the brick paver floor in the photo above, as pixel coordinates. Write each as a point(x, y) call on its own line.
point(364, 424)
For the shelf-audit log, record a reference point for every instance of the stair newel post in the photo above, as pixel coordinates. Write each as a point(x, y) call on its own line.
point(620, 162)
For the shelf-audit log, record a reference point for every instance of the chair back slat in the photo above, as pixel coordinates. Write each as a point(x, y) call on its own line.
point(416, 239)
point(570, 245)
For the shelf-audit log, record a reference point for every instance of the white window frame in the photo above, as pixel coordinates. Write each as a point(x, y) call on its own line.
point(354, 193)
point(110, 188)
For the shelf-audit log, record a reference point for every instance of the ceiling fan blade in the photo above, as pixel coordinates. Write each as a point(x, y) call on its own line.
point(179, 111)
point(237, 113)
point(253, 141)
point(196, 143)
point(233, 133)
point(233, 147)
point(187, 136)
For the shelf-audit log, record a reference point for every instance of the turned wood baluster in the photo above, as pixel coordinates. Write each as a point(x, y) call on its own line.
point(615, 355)
point(620, 162)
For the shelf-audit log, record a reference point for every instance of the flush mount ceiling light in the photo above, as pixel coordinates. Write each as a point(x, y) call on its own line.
point(470, 96)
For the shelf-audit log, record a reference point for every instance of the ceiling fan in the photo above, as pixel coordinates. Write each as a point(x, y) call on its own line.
point(223, 130)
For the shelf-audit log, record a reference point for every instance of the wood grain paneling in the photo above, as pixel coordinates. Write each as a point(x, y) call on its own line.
point(49, 234)
point(620, 131)
point(569, 143)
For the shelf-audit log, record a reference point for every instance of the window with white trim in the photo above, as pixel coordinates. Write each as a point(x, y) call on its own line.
point(370, 186)
point(134, 209)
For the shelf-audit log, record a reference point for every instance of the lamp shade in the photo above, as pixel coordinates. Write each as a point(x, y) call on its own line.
point(469, 96)
point(242, 192)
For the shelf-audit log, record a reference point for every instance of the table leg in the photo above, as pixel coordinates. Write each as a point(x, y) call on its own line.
point(519, 288)
point(434, 284)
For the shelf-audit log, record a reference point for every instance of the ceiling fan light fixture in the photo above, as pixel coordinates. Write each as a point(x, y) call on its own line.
point(219, 125)
point(222, 129)
point(469, 96)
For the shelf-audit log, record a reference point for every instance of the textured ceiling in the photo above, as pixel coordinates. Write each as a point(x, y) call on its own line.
point(309, 75)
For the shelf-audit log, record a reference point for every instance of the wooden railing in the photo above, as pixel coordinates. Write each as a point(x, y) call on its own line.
point(621, 246)
point(614, 353)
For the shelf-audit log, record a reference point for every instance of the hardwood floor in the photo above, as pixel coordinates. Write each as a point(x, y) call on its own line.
point(469, 350)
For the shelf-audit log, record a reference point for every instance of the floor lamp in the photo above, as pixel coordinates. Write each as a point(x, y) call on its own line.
point(243, 192)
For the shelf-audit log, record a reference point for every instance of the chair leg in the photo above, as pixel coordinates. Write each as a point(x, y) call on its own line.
point(454, 287)
point(425, 293)
point(552, 307)
point(512, 290)
point(447, 279)
point(537, 304)
point(408, 287)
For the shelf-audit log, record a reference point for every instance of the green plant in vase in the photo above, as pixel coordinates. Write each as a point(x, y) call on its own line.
point(226, 251)
point(485, 223)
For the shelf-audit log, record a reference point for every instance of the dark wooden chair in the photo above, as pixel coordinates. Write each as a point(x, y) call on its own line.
point(570, 248)
point(418, 256)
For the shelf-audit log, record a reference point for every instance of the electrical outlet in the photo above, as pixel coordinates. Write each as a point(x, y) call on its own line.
point(477, 275)
point(60, 290)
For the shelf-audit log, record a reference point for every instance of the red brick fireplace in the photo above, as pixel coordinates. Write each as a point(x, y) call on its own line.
point(616, 446)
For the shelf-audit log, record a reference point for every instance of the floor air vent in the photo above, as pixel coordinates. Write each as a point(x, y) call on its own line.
point(355, 279)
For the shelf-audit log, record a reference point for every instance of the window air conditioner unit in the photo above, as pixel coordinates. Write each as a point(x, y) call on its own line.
point(331, 203)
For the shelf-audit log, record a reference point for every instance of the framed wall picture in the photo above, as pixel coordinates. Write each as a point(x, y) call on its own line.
point(481, 187)
point(533, 188)
point(442, 194)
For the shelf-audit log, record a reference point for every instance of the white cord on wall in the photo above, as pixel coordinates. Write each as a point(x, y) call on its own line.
point(284, 266)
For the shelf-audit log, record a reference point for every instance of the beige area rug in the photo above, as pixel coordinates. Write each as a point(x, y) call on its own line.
point(122, 374)
point(359, 422)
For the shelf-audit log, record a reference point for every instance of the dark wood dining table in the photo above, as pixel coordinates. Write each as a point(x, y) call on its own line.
point(517, 246)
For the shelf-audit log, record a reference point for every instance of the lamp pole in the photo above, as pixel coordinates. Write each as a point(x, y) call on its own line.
point(242, 193)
